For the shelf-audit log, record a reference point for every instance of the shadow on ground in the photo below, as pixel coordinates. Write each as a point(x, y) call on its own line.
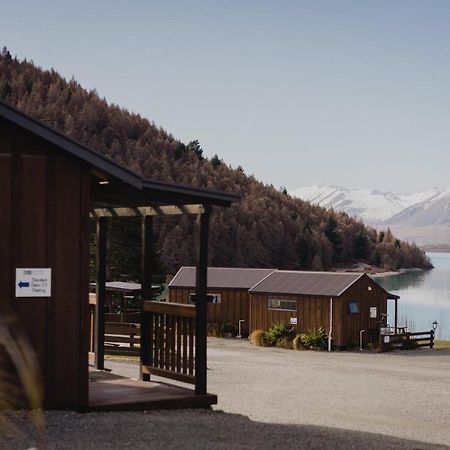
point(183, 429)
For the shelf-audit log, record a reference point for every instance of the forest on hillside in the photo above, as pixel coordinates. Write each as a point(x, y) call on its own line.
point(268, 228)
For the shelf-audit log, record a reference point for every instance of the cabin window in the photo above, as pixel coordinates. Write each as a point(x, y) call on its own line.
point(282, 305)
point(210, 298)
point(353, 308)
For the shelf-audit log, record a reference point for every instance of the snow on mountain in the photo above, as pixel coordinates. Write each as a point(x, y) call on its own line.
point(434, 210)
point(372, 206)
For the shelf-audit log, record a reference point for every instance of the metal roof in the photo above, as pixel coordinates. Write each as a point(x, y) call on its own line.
point(221, 277)
point(145, 191)
point(330, 284)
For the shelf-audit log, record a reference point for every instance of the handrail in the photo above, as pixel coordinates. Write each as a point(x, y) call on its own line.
point(168, 340)
point(176, 309)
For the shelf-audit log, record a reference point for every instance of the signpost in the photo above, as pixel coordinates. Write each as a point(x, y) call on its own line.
point(33, 282)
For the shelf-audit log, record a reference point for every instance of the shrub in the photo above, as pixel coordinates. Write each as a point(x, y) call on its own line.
point(227, 327)
point(278, 332)
point(213, 330)
point(314, 339)
point(257, 338)
point(284, 343)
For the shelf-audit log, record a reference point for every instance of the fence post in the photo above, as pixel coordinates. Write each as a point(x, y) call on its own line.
point(431, 338)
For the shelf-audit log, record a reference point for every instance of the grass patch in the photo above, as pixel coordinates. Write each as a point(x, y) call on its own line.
point(439, 345)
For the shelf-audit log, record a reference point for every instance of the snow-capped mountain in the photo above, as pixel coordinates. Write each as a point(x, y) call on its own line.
point(375, 207)
point(434, 210)
point(421, 217)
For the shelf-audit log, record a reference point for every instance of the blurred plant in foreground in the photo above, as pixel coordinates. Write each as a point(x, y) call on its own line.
point(20, 381)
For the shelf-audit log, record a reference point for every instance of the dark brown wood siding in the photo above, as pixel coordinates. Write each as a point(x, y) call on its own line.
point(234, 305)
point(314, 312)
point(350, 325)
point(261, 317)
point(45, 202)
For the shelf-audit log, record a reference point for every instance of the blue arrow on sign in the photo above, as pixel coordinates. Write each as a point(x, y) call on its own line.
point(24, 284)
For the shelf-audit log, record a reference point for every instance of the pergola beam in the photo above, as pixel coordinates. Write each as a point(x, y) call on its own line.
point(169, 210)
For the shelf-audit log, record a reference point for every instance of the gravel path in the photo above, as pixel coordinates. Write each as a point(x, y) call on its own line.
point(273, 398)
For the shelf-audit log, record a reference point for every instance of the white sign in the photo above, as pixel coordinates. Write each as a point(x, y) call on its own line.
point(373, 312)
point(33, 282)
point(293, 320)
point(387, 339)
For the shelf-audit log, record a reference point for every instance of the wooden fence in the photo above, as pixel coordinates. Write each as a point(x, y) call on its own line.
point(122, 331)
point(406, 341)
point(168, 340)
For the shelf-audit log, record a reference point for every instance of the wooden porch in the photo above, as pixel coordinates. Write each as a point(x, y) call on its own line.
point(168, 348)
point(122, 394)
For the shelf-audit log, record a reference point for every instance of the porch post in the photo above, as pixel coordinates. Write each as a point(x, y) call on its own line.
point(99, 347)
point(396, 315)
point(146, 289)
point(201, 305)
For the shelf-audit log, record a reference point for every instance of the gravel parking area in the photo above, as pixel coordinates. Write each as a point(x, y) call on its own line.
point(273, 398)
point(403, 394)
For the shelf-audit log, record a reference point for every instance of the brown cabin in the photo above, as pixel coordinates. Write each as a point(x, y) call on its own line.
point(50, 187)
point(228, 292)
point(340, 303)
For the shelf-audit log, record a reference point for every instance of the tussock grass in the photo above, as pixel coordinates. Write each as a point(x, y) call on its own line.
point(257, 338)
point(297, 342)
point(20, 383)
point(439, 345)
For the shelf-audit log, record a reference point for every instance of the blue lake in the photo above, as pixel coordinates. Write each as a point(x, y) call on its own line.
point(424, 296)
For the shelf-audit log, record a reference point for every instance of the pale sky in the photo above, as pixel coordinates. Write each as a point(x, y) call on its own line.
point(350, 93)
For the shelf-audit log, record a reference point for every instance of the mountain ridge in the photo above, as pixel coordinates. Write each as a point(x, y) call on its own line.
point(421, 217)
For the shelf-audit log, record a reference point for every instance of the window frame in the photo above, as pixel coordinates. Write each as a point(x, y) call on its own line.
point(217, 298)
point(356, 303)
point(281, 300)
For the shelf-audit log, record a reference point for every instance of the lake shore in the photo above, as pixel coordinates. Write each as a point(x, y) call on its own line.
point(373, 271)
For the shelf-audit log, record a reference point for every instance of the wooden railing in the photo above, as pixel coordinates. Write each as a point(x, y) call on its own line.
point(168, 340)
point(406, 341)
point(122, 331)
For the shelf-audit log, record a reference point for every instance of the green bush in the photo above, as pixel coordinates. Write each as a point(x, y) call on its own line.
point(278, 333)
point(227, 327)
point(317, 339)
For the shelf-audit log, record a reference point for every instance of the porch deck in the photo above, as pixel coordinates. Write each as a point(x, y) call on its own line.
point(120, 394)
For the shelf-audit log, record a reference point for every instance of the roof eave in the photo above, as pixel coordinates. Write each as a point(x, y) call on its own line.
point(47, 133)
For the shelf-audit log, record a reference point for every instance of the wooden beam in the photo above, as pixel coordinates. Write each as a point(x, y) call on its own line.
point(169, 210)
point(185, 378)
point(146, 249)
point(201, 305)
point(396, 315)
point(175, 309)
point(102, 236)
point(146, 291)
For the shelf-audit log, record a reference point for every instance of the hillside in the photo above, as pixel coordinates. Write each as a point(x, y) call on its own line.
point(269, 228)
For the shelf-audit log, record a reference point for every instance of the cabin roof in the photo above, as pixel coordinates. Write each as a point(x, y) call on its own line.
point(221, 277)
point(121, 186)
point(330, 284)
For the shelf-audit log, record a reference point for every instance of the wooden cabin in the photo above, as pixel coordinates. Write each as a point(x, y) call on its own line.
point(228, 292)
point(50, 187)
point(340, 303)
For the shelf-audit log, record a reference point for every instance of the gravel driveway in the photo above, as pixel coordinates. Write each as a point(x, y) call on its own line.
point(273, 398)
